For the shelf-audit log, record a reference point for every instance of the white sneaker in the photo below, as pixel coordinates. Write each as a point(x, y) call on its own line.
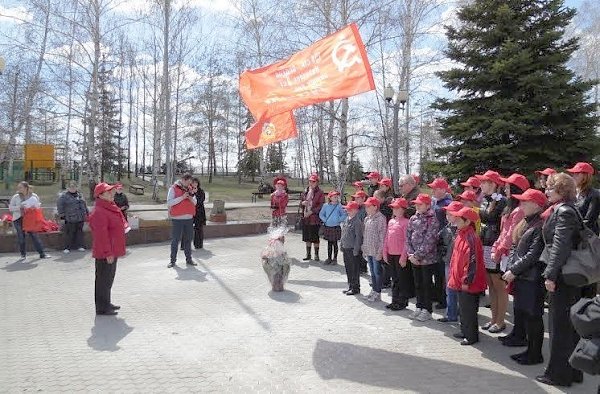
point(416, 313)
point(66, 251)
point(81, 249)
point(424, 315)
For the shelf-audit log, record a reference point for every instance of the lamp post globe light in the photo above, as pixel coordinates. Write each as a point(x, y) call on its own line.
point(396, 105)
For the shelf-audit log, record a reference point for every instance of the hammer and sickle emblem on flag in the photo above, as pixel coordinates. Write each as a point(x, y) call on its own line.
point(348, 58)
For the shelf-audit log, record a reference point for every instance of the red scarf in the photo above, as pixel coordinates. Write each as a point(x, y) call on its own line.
point(546, 214)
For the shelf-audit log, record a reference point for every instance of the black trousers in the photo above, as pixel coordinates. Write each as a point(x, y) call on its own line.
point(535, 336)
point(73, 235)
point(519, 331)
point(423, 285)
point(468, 305)
point(387, 275)
point(439, 286)
point(198, 236)
point(352, 264)
point(402, 280)
point(105, 276)
point(563, 337)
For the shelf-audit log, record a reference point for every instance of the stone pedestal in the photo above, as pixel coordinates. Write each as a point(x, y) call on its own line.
point(217, 214)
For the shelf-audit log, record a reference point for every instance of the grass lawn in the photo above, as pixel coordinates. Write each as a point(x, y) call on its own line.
point(221, 188)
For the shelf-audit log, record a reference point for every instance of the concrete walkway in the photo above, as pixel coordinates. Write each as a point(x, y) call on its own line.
point(218, 328)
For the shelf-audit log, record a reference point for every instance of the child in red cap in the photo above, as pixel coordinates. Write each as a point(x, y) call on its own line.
point(395, 257)
point(374, 234)
point(279, 202)
point(332, 215)
point(351, 242)
point(422, 239)
point(467, 273)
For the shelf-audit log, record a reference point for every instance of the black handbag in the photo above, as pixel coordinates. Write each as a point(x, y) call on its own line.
point(583, 265)
point(585, 315)
point(586, 356)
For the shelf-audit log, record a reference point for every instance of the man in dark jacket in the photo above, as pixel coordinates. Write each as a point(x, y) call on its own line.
point(73, 210)
point(121, 200)
point(374, 178)
point(441, 199)
point(409, 191)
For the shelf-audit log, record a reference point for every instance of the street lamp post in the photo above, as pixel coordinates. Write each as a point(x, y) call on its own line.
point(396, 105)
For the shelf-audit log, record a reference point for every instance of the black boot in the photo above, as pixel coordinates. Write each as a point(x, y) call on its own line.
point(317, 253)
point(307, 258)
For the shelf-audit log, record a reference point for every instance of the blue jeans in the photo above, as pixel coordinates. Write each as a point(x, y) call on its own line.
point(451, 300)
point(376, 273)
point(21, 238)
point(182, 229)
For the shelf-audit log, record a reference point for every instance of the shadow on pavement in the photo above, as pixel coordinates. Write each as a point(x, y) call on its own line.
point(202, 253)
point(323, 284)
point(247, 308)
point(19, 266)
point(286, 296)
point(190, 273)
point(107, 332)
point(72, 257)
point(400, 371)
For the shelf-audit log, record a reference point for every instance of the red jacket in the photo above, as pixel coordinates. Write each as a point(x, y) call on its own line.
point(279, 204)
point(108, 230)
point(466, 264)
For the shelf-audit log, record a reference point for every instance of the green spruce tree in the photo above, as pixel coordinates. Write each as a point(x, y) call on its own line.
point(517, 105)
point(109, 126)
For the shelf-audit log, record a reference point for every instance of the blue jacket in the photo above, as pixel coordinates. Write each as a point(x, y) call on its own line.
point(332, 215)
point(437, 206)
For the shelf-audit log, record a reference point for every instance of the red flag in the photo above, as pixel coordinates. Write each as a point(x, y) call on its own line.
point(279, 128)
point(333, 67)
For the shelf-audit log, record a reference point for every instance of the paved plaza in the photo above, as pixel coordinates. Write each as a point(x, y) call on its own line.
point(216, 327)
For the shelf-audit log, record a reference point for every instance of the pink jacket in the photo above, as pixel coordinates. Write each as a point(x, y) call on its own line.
point(504, 242)
point(395, 239)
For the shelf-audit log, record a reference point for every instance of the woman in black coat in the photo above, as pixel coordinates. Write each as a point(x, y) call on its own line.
point(561, 234)
point(588, 203)
point(525, 272)
point(200, 217)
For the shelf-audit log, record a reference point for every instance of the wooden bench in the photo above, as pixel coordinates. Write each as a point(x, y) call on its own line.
point(295, 195)
point(4, 201)
point(136, 189)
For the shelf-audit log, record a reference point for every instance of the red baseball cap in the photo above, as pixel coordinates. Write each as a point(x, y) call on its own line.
point(518, 180)
point(454, 206)
point(333, 193)
point(313, 178)
point(399, 203)
point(468, 195)
point(423, 199)
point(533, 195)
point(372, 201)
point(360, 193)
point(352, 205)
point(491, 176)
point(102, 188)
point(466, 213)
point(280, 182)
point(548, 171)
point(417, 178)
point(386, 182)
point(358, 184)
point(374, 175)
point(439, 183)
point(473, 182)
point(585, 168)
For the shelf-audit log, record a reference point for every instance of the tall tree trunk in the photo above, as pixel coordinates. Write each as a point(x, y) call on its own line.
point(166, 94)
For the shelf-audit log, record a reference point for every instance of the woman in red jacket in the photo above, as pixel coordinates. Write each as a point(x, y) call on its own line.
point(108, 244)
point(467, 273)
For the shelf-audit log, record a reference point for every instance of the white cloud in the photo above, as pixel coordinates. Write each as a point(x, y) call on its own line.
point(17, 14)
